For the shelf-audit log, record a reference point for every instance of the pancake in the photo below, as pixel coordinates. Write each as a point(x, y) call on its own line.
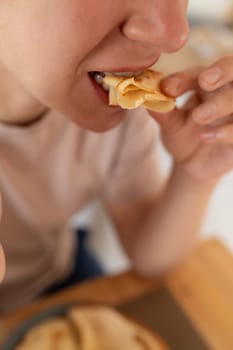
point(54, 334)
point(102, 328)
point(141, 90)
point(90, 328)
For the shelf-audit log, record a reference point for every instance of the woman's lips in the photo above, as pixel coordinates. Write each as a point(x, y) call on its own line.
point(103, 95)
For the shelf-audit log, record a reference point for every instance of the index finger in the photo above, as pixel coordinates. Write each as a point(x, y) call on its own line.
point(217, 75)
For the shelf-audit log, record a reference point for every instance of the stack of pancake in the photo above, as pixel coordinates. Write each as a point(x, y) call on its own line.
point(90, 328)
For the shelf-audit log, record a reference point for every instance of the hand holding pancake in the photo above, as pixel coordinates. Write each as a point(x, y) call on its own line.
point(200, 135)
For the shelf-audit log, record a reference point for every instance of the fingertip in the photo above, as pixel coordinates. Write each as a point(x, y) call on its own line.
point(171, 86)
point(203, 85)
point(210, 78)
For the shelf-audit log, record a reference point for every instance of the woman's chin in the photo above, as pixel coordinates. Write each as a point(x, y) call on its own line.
point(102, 122)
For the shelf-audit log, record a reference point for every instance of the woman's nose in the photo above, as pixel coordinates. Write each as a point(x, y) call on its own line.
point(165, 31)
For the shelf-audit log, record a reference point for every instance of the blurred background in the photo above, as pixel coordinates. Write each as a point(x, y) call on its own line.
point(211, 37)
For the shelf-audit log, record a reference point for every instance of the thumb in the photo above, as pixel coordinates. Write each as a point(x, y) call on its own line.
point(170, 122)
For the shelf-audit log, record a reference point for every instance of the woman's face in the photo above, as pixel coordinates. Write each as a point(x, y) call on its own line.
point(51, 46)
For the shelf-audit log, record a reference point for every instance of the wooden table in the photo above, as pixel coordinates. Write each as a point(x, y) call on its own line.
point(202, 285)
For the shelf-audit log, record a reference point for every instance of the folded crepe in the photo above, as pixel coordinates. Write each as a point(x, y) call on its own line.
point(141, 90)
point(90, 328)
point(54, 334)
point(102, 328)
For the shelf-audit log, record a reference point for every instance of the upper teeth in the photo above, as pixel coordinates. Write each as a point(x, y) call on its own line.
point(99, 76)
point(99, 79)
point(123, 74)
point(120, 74)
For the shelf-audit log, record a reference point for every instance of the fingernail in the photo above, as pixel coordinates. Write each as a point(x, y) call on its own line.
point(204, 113)
point(212, 75)
point(173, 85)
point(208, 135)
